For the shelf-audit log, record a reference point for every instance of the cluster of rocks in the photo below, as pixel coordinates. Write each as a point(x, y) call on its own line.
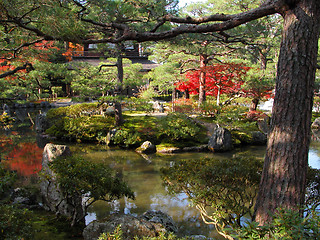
point(149, 224)
point(26, 198)
point(220, 140)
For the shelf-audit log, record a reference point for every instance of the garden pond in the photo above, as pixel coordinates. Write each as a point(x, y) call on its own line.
point(21, 150)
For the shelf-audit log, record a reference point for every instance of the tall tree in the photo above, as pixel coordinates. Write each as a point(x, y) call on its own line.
point(284, 174)
point(283, 181)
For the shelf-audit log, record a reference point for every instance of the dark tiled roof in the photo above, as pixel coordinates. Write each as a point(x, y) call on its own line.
point(146, 64)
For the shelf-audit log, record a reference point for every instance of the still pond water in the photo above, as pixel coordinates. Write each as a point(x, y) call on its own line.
point(22, 150)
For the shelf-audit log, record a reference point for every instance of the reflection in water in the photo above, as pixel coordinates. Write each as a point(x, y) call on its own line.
point(144, 178)
point(25, 158)
point(314, 155)
point(142, 174)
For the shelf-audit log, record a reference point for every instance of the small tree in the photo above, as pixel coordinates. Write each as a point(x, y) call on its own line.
point(257, 86)
point(95, 181)
point(223, 190)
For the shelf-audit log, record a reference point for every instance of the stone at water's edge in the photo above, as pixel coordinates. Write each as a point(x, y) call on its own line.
point(150, 224)
point(220, 141)
point(259, 138)
point(147, 148)
point(52, 197)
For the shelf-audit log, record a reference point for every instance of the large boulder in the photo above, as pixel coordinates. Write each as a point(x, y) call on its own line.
point(259, 138)
point(53, 198)
point(147, 148)
point(220, 141)
point(150, 224)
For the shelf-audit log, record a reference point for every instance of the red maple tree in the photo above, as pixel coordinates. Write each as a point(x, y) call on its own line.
point(12, 63)
point(220, 79)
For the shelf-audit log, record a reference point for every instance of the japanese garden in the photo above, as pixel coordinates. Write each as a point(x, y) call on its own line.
point(168, 119)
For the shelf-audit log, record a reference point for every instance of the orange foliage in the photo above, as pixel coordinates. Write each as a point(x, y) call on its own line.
point(45, 47)
point(73, 50)
point(183, 105)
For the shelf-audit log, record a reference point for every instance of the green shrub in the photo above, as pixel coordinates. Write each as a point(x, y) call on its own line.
point(78, 122)
point(127, 138)
point(286, 224)
point(15, 223)
point(209, 109)
point(77, 176)
point(177, 127)
point(230, 114)
point(243, 137)
point(7, 179)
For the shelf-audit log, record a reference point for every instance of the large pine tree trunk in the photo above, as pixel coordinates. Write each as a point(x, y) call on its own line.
point(283, 180)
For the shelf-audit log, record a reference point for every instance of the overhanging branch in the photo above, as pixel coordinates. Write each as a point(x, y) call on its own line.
point(213, 23)
point(25, 66)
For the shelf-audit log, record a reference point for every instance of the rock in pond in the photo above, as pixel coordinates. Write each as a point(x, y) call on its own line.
point(52, 197)
point(220, 141)
point(147, 148)
point(150, 224)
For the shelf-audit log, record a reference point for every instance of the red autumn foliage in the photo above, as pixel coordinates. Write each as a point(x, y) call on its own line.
point(25, 158)
point(220, 78)
point(43, 51)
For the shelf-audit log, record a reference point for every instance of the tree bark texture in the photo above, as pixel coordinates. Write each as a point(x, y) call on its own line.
point(283, 180)
point(202, 78)
point(118, 113)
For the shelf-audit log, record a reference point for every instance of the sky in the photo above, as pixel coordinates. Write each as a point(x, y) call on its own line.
point(182, 3)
